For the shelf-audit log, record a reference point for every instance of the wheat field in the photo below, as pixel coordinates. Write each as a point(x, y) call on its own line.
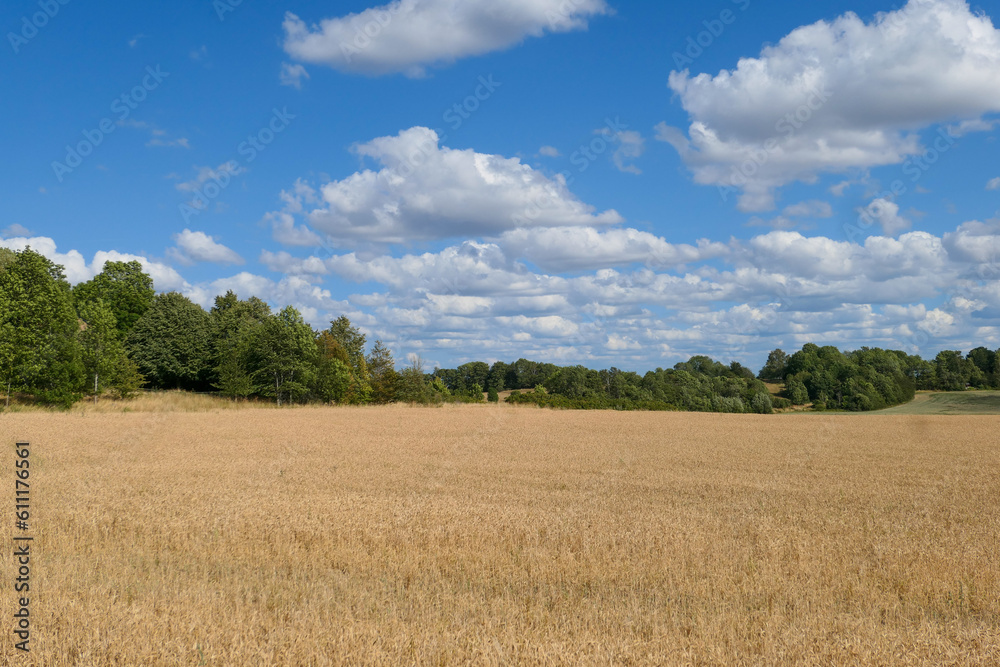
point(495, 535)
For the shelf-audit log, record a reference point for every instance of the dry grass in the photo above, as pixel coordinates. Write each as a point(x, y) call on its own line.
point(147, 401)
point(496, 535)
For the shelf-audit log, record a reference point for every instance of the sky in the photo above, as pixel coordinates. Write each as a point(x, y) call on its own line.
point(597, 182)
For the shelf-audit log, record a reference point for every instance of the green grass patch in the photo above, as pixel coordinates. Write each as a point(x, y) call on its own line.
point(949, 403)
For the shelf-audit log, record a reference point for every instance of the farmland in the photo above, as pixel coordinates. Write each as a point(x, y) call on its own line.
point(950, 403)
point(501, 535)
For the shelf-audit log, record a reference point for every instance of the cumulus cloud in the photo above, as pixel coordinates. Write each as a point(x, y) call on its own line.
point(407, 36)
point(78, 270)
point(511, 296)
point(426, 191)
point(583, 248)
point(837, 95)
point(886, 214)
point(195, 247)
point(994, 184)
point(978, 243)
point(549, 151)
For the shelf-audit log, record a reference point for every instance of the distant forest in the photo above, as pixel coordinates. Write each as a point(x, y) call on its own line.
point(114, 335)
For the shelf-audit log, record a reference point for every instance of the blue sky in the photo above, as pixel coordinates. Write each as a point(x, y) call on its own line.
point(605, 182)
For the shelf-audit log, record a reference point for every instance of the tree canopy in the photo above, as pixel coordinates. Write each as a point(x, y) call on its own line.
point(114, 333)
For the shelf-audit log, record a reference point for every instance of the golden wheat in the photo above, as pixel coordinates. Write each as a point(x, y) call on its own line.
point(496, 535)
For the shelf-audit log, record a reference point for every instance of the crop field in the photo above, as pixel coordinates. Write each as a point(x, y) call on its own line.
point(497, 535)
point(950, 403)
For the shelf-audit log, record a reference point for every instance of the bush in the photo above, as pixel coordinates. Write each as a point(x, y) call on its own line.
point(780, 403)
point(492, 396)
point(819, 406)
point(761, 404)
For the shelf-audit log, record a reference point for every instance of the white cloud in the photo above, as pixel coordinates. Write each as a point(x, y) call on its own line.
point(158, 136)
point(409, 35)
point(292, 75)
point(733, 300)
point(425, 191)
point(200, 247)
point(181, 142)
point(286, 232)
point(838, 189)
point(205, 174)
point(737, 299)
point(976, 242)
point(994, 184)
point(14, 230)
point(970, 126)
point(834, 96)
point(792, 215)
point(886, 214)
point(78, 270)
point(809, 209)
point(631, 146)
point(549, 151)
point(580, 248)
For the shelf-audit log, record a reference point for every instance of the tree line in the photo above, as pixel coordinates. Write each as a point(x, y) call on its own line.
point(114, 335)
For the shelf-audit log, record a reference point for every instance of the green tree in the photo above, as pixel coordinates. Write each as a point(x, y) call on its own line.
point(776, 367)
point(492, 396)
point(382, 370)
point(171, 343)
point(126, 290)
point(104, 358)
point(952, 370)
point(283, 356)
point(233, 325)
point(7, 258)
point(39, 353)
point(796, 392)
point(498, 375)
point(985, 361)
point(473, 373)
point(413, 385)
point(333, 375)
point(352, 341)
